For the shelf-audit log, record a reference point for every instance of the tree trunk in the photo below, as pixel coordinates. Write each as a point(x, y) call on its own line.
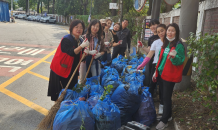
point(85, 11)
point(38, 6)
point(41, 7)
point(150, 7)
point(168, 8)
point(48, 7)
point(53, 6)
point(114, 11)
point(26, 6)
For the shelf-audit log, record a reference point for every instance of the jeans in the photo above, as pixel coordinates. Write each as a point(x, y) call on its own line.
point(167, 101)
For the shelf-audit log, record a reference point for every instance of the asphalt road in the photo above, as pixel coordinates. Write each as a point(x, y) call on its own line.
point(26, 50)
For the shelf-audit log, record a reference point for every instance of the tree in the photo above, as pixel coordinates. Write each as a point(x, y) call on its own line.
point(84, 3)
point(53, 6)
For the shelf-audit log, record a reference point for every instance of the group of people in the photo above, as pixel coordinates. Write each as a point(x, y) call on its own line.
point(165, 57)
point(96, 42)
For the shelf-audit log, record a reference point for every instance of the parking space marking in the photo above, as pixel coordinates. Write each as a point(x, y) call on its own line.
point(39, 75)
point(47, 62)
point(25, 101)
point(65, 29)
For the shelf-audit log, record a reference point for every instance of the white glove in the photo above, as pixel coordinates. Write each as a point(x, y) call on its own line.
point(93, 52)
point(107, 44)
point(85, 43)
point(86, 51)
point(172, 53)
point(97, 55)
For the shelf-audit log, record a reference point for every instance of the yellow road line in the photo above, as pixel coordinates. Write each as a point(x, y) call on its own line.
point(25, 101)
point(66, 30)
point(11, 80)
point(38, 75)
point(47, 62)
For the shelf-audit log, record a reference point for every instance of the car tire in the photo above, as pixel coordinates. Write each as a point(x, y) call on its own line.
point(54, 22)
point(47, 21)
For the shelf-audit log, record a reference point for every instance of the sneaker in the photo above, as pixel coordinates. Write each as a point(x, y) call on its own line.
point(159, 117)
point(161, 126)
point(160, 109)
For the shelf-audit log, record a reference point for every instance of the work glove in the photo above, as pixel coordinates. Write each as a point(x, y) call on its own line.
point(140, 44)
point(120, 42)
point(85, 43)
point(93, 52)
point(86, 51)
point(145, 61)
point(172, 53)
point(154, 79)
point(96, 56)
point(107, 44)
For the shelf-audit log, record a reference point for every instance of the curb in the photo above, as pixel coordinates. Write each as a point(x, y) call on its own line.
point(176, 125)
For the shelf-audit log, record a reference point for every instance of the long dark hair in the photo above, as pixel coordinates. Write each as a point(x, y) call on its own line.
point(162, 26)
point(99, 33)
point(174, 42)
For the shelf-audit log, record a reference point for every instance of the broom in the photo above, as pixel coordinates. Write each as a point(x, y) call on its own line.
point(47, 122)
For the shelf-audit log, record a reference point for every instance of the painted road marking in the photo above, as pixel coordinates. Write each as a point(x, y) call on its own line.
point(19, 98)
point(38, 75)
point(25, 101)
point(47, 62)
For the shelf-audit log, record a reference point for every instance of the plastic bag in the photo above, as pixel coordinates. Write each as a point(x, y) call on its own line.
point(108, 70)
point(78, 93)
point(146, 113)
point(93, 80)
point(128, 98)
point(68, 95)
point(109, 77)
point(73, 115)
point(107, 115)
point(137, 76)
point(96, 89)
point(93, 100)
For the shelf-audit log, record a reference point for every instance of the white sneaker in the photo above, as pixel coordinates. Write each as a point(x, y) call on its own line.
point(161, 126)
point(160, 109)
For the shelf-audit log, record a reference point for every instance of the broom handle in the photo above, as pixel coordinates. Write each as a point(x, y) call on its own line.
point(89, 66)
point(75, 71)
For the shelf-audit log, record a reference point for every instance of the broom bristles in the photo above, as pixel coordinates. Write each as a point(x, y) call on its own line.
point(47, 121)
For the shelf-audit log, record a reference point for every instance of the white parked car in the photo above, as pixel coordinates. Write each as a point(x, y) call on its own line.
point(34, 18)
point(38, 18)
point(22, 16)
point(48, 19)
point(30, 18)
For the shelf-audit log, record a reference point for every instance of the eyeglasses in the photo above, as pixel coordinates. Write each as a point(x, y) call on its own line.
point(81, 28)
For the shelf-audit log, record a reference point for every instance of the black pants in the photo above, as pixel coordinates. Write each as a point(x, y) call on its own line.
point(167, 101)
point(153, 85)
point(118, 50)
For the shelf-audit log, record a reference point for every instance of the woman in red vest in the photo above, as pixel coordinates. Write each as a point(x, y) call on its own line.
point(66, 59)
point(169, 68)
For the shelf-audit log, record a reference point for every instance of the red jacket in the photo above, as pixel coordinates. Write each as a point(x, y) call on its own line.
point(62, 63)
point(171, 73)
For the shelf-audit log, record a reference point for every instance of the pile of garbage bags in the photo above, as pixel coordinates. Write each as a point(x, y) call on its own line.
point(104, 107)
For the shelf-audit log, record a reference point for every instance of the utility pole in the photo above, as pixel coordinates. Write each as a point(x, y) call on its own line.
point(187, 23)
point(121, 12)
point(12, 8)
point(155, 13)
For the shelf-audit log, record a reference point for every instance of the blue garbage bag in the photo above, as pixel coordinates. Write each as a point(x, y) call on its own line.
point(107, 115)
point(68, 95)
point(133, 61)
point(93, 80)
point(92, 101)
point(137, 76)
point(129, 69)
point(134, 52)
point(146, 113)
point(72, 115)
point(108, 70)
point(96, 89)
point(83, 93)
point(128, 98)
point(140, 60)
point(109, 77)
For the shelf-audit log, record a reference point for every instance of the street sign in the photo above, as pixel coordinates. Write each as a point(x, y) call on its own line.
point(113, 6)
point(148, 32)
point(171, 2)
point(139, 4)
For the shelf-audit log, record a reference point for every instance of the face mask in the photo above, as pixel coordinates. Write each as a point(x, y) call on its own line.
point(171, 39)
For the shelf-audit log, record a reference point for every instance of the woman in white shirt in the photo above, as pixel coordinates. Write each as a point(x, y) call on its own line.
point(155, 48)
